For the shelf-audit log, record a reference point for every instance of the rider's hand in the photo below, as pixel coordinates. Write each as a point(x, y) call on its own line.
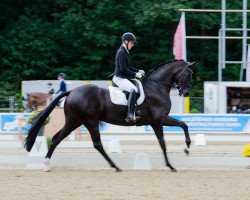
point(138, 75)
point(142, 72)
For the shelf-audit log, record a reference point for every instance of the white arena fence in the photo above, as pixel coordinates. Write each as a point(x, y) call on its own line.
point(10, 123)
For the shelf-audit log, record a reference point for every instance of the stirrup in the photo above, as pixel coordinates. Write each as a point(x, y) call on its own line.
point(138, 113)
point(137, 117)
point(130, 118)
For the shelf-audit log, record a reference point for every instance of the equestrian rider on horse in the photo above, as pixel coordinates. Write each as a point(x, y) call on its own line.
point(63, 86)
point(124, 72)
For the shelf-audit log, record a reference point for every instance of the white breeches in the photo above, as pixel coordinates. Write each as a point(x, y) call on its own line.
point(124, 84)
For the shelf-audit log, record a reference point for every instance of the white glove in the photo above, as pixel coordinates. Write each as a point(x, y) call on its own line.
point(142, 72)
point(138, 75)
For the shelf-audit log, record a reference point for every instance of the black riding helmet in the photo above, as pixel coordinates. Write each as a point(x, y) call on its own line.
point(128, 36)
point(62, 75)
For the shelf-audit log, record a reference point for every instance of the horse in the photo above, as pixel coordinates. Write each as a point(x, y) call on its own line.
point(37, 99)
point(89, 104)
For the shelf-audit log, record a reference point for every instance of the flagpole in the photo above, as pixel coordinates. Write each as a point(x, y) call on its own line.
point(184, 55)
point(248, 64)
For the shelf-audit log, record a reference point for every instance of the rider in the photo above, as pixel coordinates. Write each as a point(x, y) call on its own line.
point(51, 89)
point(124, 72)
point(63, 87)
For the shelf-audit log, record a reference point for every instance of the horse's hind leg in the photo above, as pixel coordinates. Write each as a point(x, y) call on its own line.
point(69, 126)
point(93, 128)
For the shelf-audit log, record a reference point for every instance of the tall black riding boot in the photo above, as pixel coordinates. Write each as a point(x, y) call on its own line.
point(131, 107)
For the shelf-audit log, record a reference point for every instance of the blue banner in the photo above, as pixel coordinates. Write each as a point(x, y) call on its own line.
point(206, 123)
point(197, 123)
point(12, 122)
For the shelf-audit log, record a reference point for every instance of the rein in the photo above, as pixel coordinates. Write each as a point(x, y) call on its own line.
point(162, 82)
point(176, 85)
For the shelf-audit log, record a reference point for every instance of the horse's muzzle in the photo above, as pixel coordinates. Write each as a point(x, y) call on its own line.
point(186, 94)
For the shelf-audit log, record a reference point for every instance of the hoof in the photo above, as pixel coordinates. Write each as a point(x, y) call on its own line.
point(186, 151)
point(188, 144)
point(47, 167)
point(118, 170)
point(173, 170)
point(46, 161)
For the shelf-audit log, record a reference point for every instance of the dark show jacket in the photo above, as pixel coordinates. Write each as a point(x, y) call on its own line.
point(123, 67)
point(63, 87)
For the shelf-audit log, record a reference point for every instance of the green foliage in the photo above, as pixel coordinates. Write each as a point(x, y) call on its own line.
point(32, 117)
point(49, 141)
point(80, 38)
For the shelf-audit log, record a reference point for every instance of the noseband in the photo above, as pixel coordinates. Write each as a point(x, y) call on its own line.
point(178, 85)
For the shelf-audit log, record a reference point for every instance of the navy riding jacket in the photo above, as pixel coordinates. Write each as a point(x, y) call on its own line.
point(63, 87)
point(123, 67)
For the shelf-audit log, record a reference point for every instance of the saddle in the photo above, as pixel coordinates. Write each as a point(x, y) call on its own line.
point(120, 97)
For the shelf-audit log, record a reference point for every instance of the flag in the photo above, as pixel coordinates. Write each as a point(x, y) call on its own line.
point(179, 48)
point(248, 64)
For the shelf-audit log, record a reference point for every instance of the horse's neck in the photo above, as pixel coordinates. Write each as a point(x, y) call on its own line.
point(164, 74)
point(161, 80)
point(153, 85)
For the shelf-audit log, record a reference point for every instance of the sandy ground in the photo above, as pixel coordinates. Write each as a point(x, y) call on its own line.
point(80, 182)
point(105, 184)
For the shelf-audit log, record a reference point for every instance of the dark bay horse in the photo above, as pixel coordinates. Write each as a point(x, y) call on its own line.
point(89, 104)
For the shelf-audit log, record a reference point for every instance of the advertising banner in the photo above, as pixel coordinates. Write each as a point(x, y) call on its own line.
point(10, 122)
point(197, 123)
point(200, 123)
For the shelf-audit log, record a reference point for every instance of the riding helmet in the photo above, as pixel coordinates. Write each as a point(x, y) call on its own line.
point(128, 36)
point(61, 75)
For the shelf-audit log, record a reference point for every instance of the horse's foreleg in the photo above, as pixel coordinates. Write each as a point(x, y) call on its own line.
point(95, 135)
point(159, 134)
point(169, 121)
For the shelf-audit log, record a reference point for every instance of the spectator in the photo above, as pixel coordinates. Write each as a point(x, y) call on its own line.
point(234, 110)
point(51, 89)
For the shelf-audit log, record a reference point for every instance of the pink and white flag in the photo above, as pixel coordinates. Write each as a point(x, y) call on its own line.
point(179, 48)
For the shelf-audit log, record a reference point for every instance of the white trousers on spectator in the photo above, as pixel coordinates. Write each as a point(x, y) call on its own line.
point(124, 84)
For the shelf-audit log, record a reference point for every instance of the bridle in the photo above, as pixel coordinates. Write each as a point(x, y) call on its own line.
point(178, 85)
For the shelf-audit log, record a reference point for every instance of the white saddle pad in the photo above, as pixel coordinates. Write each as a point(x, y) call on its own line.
point(118, 97)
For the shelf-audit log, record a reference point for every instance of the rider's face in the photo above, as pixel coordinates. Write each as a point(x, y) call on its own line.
point(130, 44)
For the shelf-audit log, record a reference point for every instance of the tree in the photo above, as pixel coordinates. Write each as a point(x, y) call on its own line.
point(41, 38)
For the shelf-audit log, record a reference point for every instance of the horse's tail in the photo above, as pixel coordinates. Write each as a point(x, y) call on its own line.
point(38, 122)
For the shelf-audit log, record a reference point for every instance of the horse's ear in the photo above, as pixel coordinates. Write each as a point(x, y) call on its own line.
point(192, 64)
